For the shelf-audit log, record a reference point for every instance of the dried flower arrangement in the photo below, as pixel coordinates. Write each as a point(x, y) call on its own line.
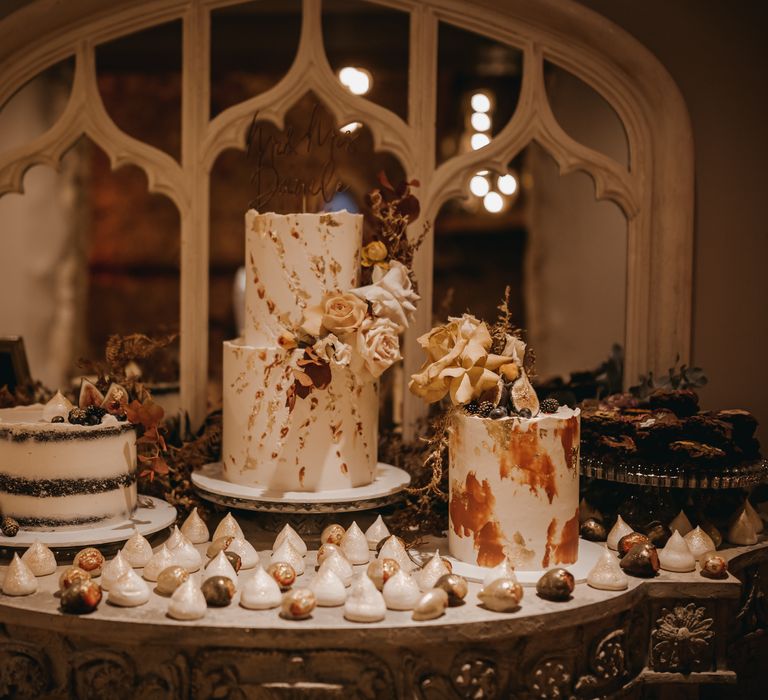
point(126, 397)
point(361, 328)
point(484, 371)
point(472, 367)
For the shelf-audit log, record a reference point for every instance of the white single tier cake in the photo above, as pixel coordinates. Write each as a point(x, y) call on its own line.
point(273, 438)
point(60, 474)
point(515, 489)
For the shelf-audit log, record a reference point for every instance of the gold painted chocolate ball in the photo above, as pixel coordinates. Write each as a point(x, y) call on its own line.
point(218, 591)
point(298, 604)
point(81, 597)
point(71, 575)
point(381, 570)
point(89, 559)
point(170, 578)
point(283, 573)
point(455, 586)
point(332, 534)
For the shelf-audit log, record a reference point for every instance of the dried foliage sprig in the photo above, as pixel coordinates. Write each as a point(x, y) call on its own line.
point(24, 395)
point(396, 208)
point(426, 508)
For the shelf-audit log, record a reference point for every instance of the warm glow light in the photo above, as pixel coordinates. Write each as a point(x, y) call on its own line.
point(479, 140)
point(507, 184)
point(479, 186)
point(480, 102)
point(350, 128)
point(480, 121)
point(493, 202)
point(356, 80)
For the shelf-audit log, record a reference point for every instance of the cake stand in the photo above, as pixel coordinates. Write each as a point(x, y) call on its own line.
point(151, 516)
point(387, 488)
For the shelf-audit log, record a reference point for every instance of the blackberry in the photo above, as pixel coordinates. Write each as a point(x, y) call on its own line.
point(485, 408)
point(96, 411)
point(471, 408)
point(78, 416)
point(549, 406)
point(57, 419)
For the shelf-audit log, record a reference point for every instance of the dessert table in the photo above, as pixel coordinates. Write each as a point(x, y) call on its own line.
point(674, 629)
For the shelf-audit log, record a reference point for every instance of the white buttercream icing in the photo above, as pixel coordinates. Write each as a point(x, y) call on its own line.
point(129, 590)
point(619, 529)
point(354, 545)
point(228, 527)
point(328, 588)
point(187, 602)
point(259, 591)
point(675, 555)
point(364, 602)
point(401, 592)
point(376, 533)
point(340, 566)
point(194, 528)
point(220, 566)
point(606, 574)
point(137, 551)
point(40, 559)
point(286, 552)
point(19, 579)
point(113, 570)
point(288, 533)
point(160, 560)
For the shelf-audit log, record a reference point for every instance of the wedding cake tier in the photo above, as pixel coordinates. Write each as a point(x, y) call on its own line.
point(299, 415)
point(62, 474)
point(514, 489)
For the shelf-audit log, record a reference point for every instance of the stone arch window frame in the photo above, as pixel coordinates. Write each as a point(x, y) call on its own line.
point(655, 192)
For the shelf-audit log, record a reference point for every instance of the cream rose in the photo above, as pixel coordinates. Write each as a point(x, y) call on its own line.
point(338, 313)
point(334, 350)
point(391, 295)
point(378, 345)
point(458, 361)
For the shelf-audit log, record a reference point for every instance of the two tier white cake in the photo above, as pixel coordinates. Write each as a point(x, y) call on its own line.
point(272, 437)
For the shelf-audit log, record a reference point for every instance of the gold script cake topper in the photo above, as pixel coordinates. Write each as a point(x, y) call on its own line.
point(315, 146)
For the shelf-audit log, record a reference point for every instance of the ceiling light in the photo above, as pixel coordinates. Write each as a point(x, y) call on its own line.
point(507, 184)
point(480, 121)
point(493, 202)
point(479, 140)
point(479, 186)
point(480, 102)
point(357, 80)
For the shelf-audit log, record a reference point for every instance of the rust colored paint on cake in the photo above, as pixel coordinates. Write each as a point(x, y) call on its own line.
point(344, 468)
point(565, 549)
point(489, 543)
point(569, 436)
point(302, 473)
point(551, 530)
point(471, 514)
point(568, 548)
point(533, 466)
point(472, 505)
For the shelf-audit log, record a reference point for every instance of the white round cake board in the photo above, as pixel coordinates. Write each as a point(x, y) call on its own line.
point(386, 488)
point(589, 553)
point(152, 515)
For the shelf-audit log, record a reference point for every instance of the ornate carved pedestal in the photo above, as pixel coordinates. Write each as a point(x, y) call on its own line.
point(677, 628)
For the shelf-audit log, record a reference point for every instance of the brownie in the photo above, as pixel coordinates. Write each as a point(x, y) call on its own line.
point(682, 402)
